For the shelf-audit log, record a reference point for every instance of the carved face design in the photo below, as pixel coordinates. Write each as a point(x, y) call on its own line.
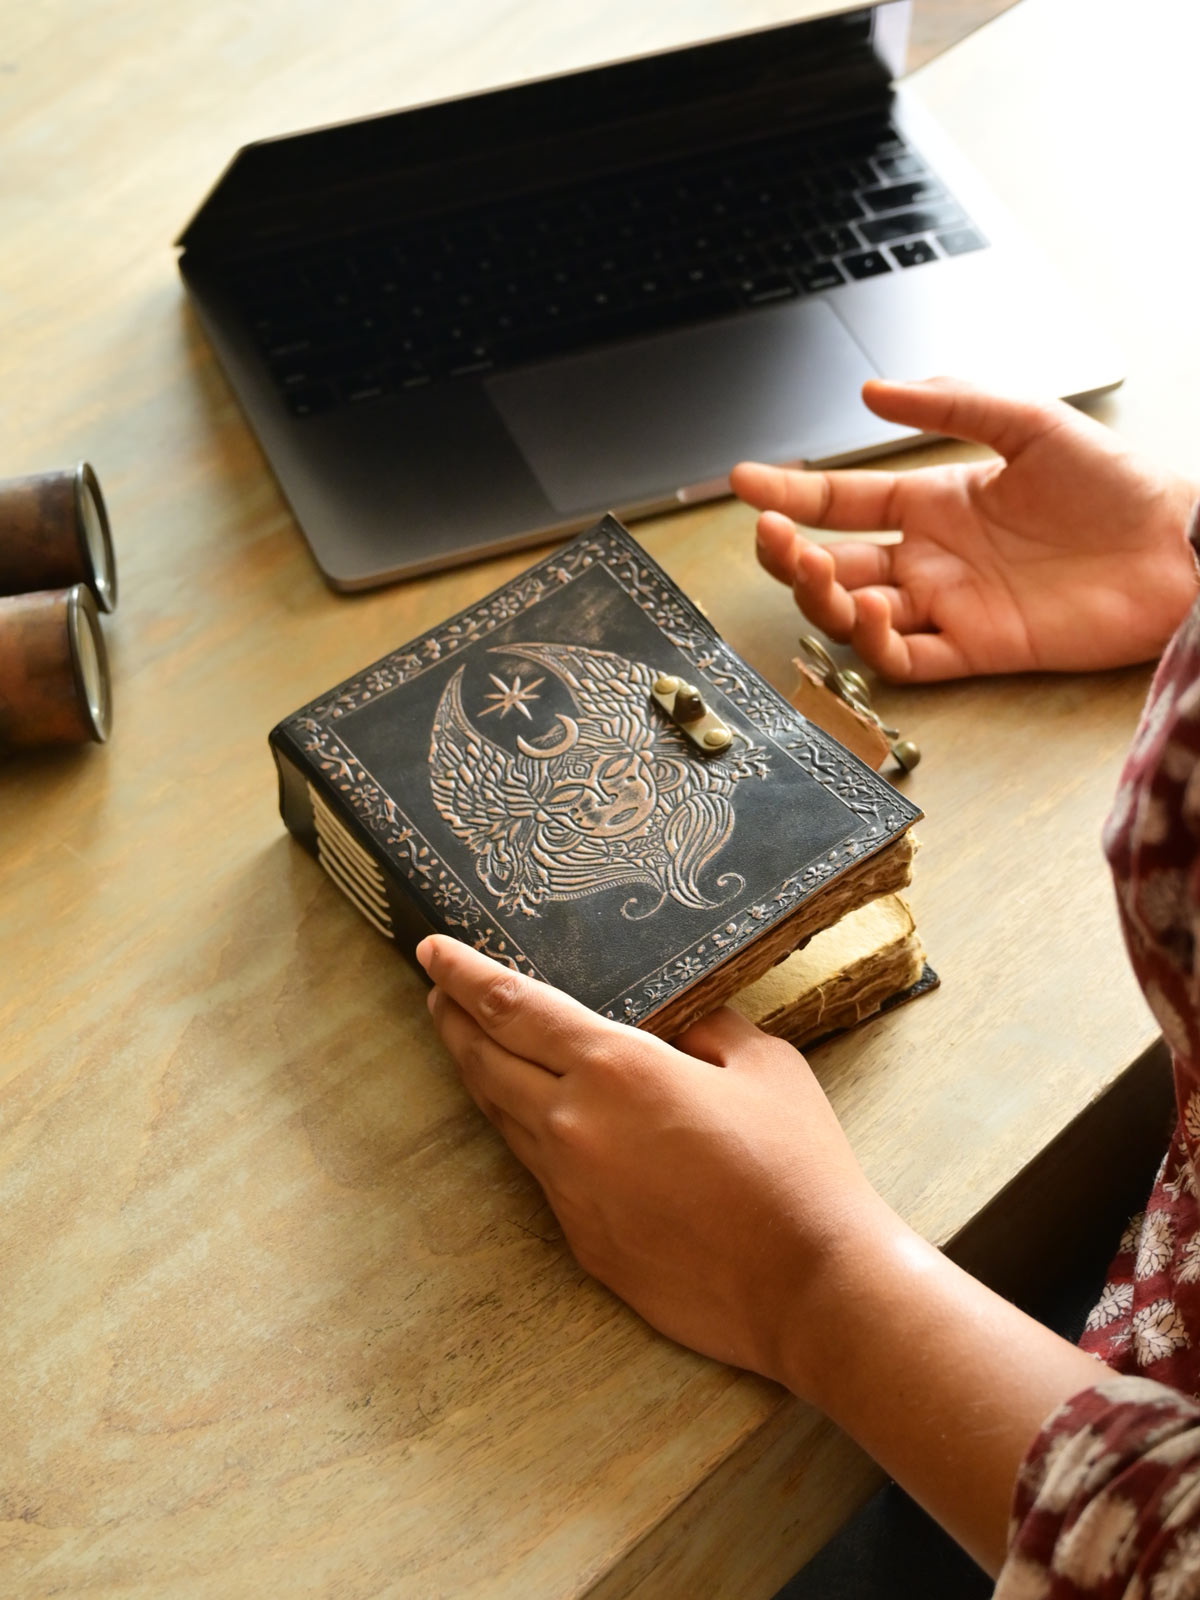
point(609, 795)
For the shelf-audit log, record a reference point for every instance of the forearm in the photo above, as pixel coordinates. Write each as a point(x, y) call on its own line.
point(710, 1186)
point(944, 1383)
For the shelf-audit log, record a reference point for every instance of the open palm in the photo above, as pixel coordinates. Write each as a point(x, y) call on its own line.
point(1068, 553)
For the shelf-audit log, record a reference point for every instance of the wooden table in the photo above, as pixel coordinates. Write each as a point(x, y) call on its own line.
point(281, 1314)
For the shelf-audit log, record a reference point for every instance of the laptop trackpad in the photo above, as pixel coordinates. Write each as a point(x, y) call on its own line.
point(639, 421)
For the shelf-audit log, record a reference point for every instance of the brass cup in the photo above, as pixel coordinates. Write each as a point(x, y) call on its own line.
point(54, 678)
point(54, 532)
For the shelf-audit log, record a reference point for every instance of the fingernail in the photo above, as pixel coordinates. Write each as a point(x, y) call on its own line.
point(424, 952)
point(431, 999)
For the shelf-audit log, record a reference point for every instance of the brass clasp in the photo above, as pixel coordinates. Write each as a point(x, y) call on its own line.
point(851, 687)
point(683, 703)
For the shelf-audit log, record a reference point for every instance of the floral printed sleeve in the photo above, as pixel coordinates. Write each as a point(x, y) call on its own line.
point(1107, 1506)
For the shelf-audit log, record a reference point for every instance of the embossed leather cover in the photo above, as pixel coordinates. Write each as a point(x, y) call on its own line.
point(508, 779)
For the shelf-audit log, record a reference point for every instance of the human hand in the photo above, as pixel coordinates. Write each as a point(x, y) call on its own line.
point(1068, 554)
point(706, 1183)
point(709, 1184)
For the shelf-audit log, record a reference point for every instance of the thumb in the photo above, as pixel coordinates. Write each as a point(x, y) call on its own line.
point(960, 411)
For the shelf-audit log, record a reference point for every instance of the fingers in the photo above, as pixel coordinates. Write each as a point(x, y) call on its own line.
point(867, 501)
point(726, 1039)
point(822, 599)
point(528, 1018)
point(808, 570)
point(853, 502)
point(513, 1093)
point(781, 546)
point(960, 411)
point(838, 590)
point(901, 657)
point(840, 593)
point(825, 578)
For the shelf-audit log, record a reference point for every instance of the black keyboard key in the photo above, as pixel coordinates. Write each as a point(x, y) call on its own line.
point(336, 302)
point(412, 374)
point(899, 196)
point(311, 400)
point(405, 343)
point(804, 218)
point(282, 329)
point(841, 208)
point(661, 315)
point(763, 290)
point(360, 387)
point(559, 308)
point(373, 315)
point(287, 349)
point(700, 275)
point(752, 230)
point(823, 182)
point(852, 175)
point(611, 297)
point(350, 356)
point(613, 263)
point(568, 275)
point(739, 264)
point(914, 254)
point(538, 344)
point(300, 370)
point(582, 241)
point(835, 241)
point(706, 243)
point(470, 363)
point(415, 313)
point(649, 287)
point(869, 264)
point(329, 276)
point(961, 241)
point(903, 165)
point(788, 253)
point(814, 276)
point(458, 336)
point(514, 290)
point(869, 138)
point(903, 224)
point(763, 200)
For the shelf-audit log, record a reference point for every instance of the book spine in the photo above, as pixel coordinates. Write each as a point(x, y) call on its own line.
point(348, 854)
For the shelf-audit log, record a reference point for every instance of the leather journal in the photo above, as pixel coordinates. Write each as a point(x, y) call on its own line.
point(579, 777)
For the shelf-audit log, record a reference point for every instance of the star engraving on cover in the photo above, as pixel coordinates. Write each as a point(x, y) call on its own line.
point(610, 795)
point(511, 696)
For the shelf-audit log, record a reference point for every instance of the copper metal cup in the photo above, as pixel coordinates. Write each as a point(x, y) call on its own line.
point(54, 681)
point(54, 533)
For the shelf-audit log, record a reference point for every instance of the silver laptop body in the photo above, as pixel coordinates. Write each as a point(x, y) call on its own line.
point(303, 272)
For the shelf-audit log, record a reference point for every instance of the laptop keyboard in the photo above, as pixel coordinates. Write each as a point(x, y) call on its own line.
point(353, 322)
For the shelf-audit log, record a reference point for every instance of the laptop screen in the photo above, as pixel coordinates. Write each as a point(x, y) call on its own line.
point(529, 136)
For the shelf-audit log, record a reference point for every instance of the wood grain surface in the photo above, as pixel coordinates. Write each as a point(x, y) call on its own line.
point(938, 24)
point(282, 1316)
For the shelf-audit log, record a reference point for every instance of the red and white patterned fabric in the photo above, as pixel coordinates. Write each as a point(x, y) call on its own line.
point(1107, 1503)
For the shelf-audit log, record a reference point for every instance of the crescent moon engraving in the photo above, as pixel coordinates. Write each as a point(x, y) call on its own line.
point(605, 797)
point(543, 752)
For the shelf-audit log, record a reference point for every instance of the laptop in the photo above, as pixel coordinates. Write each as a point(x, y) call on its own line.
point(478, 324)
